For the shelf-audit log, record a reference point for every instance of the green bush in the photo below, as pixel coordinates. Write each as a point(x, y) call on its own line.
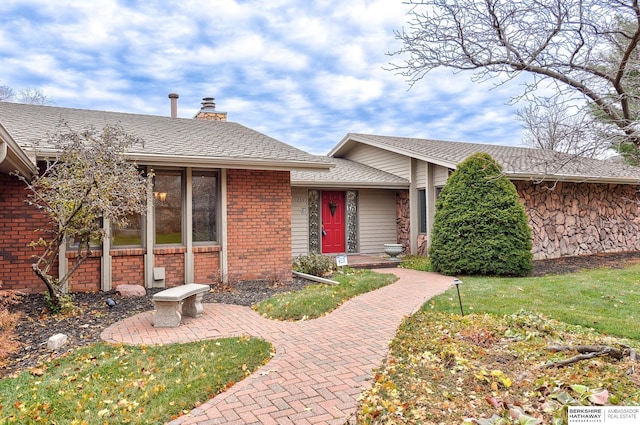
point(480, 227)
point(314, 264)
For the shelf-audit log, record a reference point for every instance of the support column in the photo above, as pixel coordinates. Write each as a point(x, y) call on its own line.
point(414, 214)
point(106, 279)
point(149, 235)
point(224, 259)
point(188, 255)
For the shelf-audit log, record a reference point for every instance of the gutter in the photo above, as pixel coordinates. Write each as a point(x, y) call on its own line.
point(571, 178)
point(13, 158)
point(337, 185)
point(215, 162)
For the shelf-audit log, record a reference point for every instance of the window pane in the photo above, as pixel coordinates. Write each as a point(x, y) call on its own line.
point(129, 235)
point(422, 199)
point(167, 192)
point(204, 201)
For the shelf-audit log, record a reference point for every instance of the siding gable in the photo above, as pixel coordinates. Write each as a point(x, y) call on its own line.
point(381, 159)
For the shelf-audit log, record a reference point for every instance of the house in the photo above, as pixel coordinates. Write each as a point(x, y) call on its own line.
point(220, 210)
point(232, 204)
point(575, 205)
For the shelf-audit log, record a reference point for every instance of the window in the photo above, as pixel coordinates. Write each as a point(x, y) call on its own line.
point(422, 205)
point(204, 201)
point(129, 235)
point(168, 196)
point(73, 242)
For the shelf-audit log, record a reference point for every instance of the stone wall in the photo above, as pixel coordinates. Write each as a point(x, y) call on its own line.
point(403, 219)
point(581, 218)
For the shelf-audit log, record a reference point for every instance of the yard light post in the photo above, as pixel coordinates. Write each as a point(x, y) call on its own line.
point(457, 283)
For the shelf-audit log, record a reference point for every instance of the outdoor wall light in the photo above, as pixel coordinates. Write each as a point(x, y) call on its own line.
point(457, 283)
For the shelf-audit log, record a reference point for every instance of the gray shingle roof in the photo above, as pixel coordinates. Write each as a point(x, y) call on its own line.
point(168, 140)
point(348, 174)
point(517, 162)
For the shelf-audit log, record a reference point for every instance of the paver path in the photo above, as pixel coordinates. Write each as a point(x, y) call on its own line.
point(320, 366)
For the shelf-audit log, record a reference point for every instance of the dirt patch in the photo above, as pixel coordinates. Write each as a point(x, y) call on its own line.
point(566, 265)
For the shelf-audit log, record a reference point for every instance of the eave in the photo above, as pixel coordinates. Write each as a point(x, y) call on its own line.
point(160, 160)
point(348, 184)
point(13, 158)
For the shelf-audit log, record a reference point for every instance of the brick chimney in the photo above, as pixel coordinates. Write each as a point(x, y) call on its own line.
point(174, 104)
point(208, 111)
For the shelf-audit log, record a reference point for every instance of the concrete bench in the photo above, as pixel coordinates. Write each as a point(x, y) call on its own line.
point(167, 304)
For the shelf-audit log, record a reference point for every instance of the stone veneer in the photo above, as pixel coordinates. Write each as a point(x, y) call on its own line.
point(581, 218)
point(566, 219)
point(403, 219)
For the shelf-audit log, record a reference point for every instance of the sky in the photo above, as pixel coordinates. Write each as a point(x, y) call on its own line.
point(304, 72)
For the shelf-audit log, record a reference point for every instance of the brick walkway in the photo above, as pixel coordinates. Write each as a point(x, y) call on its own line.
point(320, 366)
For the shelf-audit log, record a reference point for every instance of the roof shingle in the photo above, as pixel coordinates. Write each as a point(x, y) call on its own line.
point(517, 162)
point(163, 137)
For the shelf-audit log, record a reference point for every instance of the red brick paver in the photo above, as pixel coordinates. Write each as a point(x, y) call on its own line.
point(320, 366)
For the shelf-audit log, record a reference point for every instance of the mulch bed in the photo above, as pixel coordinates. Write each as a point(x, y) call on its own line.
point(83, 328)
point(94, 315)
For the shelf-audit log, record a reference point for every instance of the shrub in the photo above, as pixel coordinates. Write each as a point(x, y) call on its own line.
point(8, 322)
point(314, 264)
point(480, 227)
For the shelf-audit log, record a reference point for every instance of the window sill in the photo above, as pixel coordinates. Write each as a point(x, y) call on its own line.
point(206, 248)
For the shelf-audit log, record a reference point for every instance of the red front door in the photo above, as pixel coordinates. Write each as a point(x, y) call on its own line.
point(333, 223)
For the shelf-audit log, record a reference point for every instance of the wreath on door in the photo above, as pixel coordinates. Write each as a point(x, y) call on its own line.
point(332, 208)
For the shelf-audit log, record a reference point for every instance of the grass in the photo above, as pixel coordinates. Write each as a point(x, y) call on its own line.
point(416, 262)
point(488, 366)
point(603, 299)
point(114, 384)
point(446, 369)
point(317, 300)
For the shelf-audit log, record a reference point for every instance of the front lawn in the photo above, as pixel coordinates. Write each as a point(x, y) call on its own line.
point(317, 300)
point(489, 366)
point(445, 369)
point(605, 299)
point(116, 384)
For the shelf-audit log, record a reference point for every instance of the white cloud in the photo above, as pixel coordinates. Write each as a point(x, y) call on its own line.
point(304, 72)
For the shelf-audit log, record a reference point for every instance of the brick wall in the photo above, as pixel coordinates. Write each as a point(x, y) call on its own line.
point(19, 222)
point(206, 264)
point(172, 259)
point(88, 276)
point(127, 266)
point(259, 225)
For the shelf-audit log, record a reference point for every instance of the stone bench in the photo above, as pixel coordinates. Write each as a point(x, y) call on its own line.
point(167, 304)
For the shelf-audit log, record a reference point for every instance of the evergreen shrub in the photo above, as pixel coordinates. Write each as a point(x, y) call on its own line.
point(480, 226)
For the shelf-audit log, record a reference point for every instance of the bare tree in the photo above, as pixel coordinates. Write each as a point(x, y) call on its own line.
point(555, 126)
point(28, 95)
point(563, 44)
point(88, 181)
point(33, 97)
point(6, 93)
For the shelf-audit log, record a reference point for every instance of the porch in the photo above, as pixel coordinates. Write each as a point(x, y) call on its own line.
point(370, 261)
